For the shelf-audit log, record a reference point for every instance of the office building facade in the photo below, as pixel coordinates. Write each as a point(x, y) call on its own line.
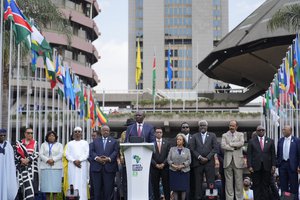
point(188, 28)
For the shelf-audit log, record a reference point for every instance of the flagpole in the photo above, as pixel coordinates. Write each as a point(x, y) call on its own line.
point(46, 111)
point(18, 90)
point(9, 136)
point(40, 109)
point(63, 122)
point(1, 65)
point(58, 119)
point(154, 80)
point(35, 105)
point(29, 92)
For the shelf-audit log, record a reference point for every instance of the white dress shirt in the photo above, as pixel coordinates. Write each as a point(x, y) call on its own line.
point(286, 147)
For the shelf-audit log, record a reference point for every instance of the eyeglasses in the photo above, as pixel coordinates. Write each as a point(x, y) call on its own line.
point(202, 125)
point(77, 131)
point(185, 127)
point(2, 135)
point(260, 130)
point(29, 132)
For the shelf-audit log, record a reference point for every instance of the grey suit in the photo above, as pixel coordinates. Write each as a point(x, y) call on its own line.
point(233, 163)
point(183, 158)
point(207, 150)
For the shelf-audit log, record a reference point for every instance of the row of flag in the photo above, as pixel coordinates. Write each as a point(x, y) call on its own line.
point(68, 84)
point(138, 71)
point(283, 92)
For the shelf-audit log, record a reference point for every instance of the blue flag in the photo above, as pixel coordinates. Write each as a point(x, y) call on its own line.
point(170, 70)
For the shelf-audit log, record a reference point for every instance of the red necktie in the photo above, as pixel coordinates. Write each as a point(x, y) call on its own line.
point(261, 143)
point(139, 131)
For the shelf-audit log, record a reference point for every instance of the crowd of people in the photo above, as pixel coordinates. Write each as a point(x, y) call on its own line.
point(181, 168)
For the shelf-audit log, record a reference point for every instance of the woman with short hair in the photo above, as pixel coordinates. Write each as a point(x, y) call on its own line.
point(51, 153)
point(179, 160)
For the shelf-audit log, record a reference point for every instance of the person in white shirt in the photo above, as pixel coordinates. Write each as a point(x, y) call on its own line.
point(77, 153)
point(51, 153)
point(247, 192)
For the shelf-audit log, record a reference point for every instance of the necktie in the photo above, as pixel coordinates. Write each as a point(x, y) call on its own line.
point(104, 143)
point(140, 130)
point(158, 146)
point(261, 143)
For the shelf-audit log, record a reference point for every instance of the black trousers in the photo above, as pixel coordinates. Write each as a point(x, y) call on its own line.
point(156, 176)
point(261, 184)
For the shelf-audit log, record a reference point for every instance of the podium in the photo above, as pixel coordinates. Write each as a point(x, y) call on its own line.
point(137, 159)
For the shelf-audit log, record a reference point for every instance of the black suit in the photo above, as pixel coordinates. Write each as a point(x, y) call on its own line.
point(261, 161)
point(156, 174)
point(207, 149)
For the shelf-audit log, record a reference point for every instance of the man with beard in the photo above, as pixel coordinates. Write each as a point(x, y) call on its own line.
point(203, 146)
point(232, 143)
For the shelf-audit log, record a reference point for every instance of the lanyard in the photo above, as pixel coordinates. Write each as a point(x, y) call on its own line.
point(50, 149)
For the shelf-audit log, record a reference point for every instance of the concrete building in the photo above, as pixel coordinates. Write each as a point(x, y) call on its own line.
point(188, 27)
point(81, 53)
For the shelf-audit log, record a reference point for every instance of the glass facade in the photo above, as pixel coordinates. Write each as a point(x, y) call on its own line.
point(217, 20)
point(178, 37)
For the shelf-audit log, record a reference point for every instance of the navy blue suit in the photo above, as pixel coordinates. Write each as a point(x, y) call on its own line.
point(147, 132)
point(104, 174)
point(288, 169)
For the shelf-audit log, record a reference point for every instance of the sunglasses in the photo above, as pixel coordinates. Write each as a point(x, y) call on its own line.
point(29, 132)
point(2, 135)
point(260, 130)
point(77, 131)
point(185, 127)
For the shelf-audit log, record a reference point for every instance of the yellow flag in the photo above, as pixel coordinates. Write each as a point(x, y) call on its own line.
point(138, 71)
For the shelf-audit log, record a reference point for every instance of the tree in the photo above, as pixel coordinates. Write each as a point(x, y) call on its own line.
point(43, 12)
point(288, 17)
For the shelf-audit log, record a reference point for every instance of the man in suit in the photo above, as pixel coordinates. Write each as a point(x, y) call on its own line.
point(203, 146)
point(140, 128)
point(94, 135)
point(261, 163)
point(288, 161)
point(103, 156)
point(159, 165)
point(232, 143)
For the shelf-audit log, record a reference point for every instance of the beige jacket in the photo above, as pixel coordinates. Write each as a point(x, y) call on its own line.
point(232, 145)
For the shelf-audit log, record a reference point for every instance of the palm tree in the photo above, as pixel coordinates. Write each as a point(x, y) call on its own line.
point(43, 12)
point(287, 17)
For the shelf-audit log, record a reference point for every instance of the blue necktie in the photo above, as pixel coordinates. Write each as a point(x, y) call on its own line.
point(104, 143)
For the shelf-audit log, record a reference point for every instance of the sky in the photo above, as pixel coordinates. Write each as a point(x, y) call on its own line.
point(112, 44)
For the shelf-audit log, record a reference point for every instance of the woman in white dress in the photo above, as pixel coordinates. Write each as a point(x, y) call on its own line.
point(51, 153)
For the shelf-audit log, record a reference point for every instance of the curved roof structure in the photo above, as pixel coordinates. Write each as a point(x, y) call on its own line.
point(250, 54)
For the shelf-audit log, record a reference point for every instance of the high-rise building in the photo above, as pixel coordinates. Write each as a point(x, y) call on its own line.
point(79, 53)
point(189, 28)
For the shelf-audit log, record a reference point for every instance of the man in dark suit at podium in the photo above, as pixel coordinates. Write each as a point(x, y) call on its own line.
point(140, 129)
point(159, 165)
point(103, 157)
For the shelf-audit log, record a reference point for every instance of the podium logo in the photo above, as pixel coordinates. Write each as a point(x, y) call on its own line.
point(136, 158)
point(138, 166)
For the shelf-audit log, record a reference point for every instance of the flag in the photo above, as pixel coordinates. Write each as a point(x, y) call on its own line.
point(81, 100)
point(297, 58)
point(92, 109)
point(170, 70)
point(50, 70)
point(60, 80)
point(87, 105)
point(7, 11)
point(102, 119)
point(69, 92)
point(154, 77)
point(21, 26)
point(39, 43)
point(291, 70)
point(138, 69)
